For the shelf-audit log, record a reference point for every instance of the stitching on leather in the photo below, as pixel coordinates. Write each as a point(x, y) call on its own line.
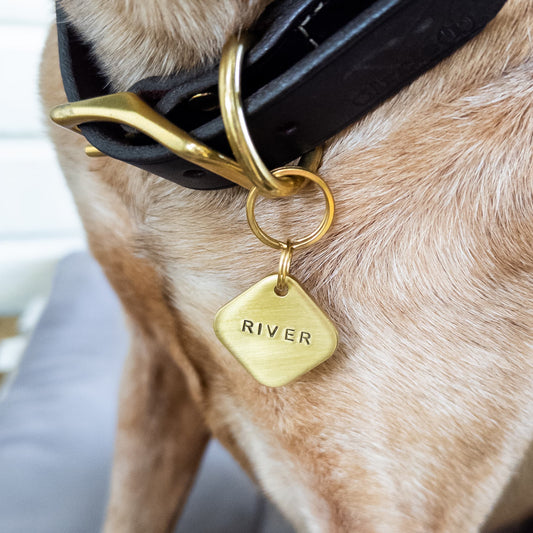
point(302, 27)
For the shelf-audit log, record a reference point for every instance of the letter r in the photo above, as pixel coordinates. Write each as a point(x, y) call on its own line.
point(247, 325)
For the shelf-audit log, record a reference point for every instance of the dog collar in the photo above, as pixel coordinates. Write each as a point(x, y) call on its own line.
point(315, 68)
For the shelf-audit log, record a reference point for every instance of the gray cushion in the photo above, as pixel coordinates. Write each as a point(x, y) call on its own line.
point(57, 425)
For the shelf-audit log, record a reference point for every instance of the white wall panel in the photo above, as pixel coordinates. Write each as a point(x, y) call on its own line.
point(34, 200)
point(38, 220)
point(20, 50)
point(30, 12)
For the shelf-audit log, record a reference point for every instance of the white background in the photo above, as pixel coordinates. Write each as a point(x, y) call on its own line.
point(38, 220)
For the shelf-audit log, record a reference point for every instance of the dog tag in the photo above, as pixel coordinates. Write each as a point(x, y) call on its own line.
point(276, 338)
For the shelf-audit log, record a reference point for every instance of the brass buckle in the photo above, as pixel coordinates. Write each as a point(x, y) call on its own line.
point(129, 109)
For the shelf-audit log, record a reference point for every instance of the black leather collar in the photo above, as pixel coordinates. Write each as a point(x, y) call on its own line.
point(317, 66)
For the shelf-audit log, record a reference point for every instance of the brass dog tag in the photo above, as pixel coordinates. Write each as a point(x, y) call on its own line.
point(276, 338)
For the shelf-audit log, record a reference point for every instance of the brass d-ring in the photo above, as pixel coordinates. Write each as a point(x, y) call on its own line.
point(309, 239)
point(240, 140)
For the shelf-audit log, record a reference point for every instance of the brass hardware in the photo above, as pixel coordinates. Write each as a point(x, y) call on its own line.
point(312, 160)
point(274, 329)
point(276, 338)
point(302, 242)
point(204, 101)
point(128, 108)
point(231, 108)
point(281, 288)
point(92, 151)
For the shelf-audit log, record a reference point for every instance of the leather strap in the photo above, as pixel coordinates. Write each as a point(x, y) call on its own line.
point(317, 66)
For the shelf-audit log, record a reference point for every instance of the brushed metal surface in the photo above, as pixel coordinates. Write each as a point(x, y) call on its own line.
point(276, 338)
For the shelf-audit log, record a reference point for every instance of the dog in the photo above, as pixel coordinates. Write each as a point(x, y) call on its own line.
point(422, 420)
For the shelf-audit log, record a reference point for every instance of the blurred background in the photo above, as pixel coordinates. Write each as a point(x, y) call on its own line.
point(38, 219)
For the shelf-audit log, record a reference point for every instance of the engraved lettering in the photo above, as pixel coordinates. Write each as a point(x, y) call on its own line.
point(289, 334)
point(272, 331)
point(305, 336)
point(247, 325)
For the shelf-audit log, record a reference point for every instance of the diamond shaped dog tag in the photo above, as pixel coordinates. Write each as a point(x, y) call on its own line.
point(276, 338)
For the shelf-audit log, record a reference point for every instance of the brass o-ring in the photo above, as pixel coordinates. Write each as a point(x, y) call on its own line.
point(302, 242)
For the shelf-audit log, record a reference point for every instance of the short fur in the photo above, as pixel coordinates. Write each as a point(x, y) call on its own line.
point(425, 413)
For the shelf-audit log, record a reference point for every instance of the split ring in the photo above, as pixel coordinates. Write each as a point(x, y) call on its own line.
point(283, 270)
point(302, 242)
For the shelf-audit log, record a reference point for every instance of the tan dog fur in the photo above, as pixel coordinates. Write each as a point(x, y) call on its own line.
point(425, 412)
